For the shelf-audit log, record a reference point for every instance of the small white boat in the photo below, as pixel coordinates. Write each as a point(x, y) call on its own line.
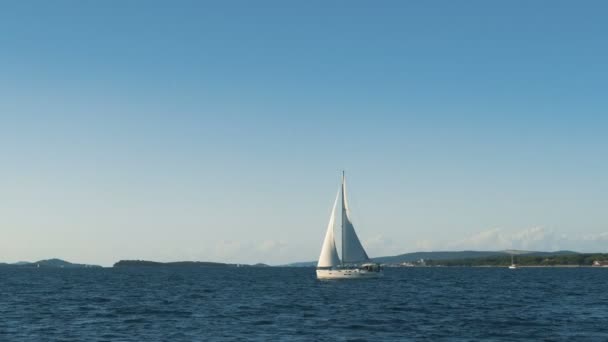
point(513, 266)
point(354, 264)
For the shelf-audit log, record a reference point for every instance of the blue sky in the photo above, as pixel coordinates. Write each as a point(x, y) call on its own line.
point(190, 130)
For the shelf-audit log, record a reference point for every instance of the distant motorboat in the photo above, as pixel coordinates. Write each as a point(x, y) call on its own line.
point(354, 264)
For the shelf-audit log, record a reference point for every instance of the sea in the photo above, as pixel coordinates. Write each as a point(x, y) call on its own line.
point(290, 304)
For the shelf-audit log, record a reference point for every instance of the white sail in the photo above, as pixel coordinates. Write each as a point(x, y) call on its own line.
point(329, 254)
point(352, 250)
point(353, 254)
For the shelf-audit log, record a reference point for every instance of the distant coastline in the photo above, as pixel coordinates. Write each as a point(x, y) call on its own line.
point(559, 260)
point(48, 263)
point(417, 259)
point(146, 263)
point(486, 259)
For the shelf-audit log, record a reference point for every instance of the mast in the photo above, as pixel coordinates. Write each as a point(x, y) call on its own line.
point(343, 219)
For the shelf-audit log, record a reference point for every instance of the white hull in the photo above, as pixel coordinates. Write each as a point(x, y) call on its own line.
point(355, 273)
point(512, 267)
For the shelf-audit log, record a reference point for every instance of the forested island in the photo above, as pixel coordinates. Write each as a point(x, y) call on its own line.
point(146, 263)
point(482, 258)
point(48, 263)
point(576, 259)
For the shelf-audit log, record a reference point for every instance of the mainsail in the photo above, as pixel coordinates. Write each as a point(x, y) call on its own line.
point(329, 254)
point(352, 250)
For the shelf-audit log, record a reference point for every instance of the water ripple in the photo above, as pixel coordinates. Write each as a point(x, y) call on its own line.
point(224, 304)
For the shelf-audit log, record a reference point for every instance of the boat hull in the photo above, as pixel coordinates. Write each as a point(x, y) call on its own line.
point(355, 273)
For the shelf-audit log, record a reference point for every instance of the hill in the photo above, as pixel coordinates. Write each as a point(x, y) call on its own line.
point(146, 263)
point(531, 259)
point(48, 263)
point(409, 257)
point(460, 255)
point(446, 255)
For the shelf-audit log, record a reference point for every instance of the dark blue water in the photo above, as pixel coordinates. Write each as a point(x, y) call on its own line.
point(216, 304)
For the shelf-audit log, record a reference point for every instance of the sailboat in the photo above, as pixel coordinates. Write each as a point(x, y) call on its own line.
point(513, 266)
point(354, 262)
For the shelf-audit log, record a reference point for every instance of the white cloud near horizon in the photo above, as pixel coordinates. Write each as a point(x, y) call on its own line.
point(381, 245)
point(535, 238)
point(247, 252)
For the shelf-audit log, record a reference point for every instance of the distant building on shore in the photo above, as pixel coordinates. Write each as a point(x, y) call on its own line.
point(600, 263)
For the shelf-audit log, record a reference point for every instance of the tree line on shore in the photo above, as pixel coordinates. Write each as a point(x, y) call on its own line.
point(582, 259)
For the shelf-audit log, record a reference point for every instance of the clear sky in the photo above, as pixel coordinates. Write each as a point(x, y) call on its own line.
point(193, 130)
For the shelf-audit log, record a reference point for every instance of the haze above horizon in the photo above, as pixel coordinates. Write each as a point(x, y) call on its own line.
point(194, 130)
